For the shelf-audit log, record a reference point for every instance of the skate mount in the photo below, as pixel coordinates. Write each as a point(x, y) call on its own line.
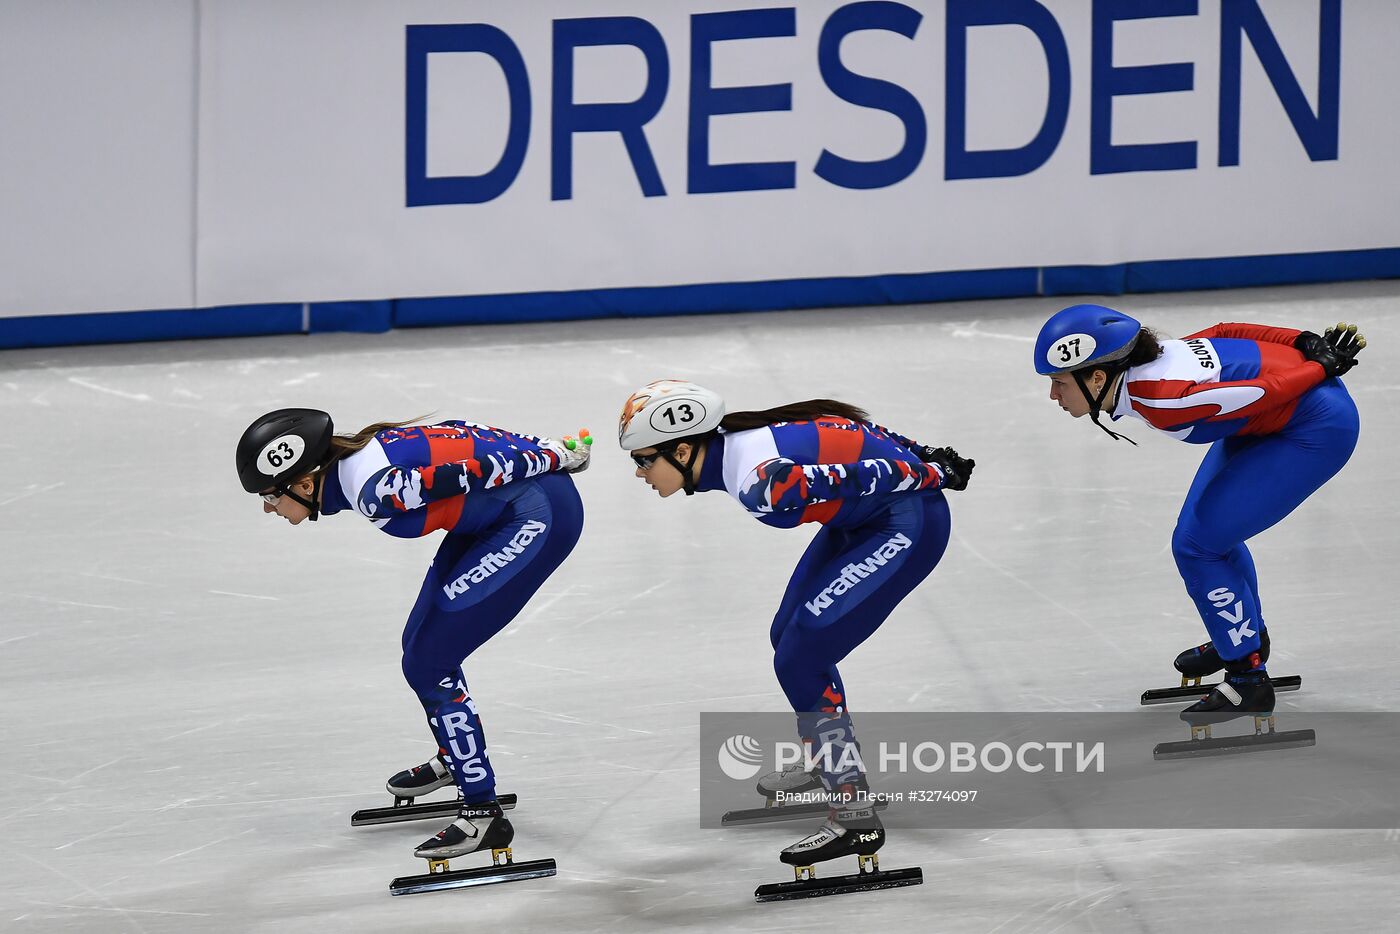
point(1203, 744)
point(868, 878)
point(503, 868)
point(776, 812)
point(1193, 690)
point(405, 809)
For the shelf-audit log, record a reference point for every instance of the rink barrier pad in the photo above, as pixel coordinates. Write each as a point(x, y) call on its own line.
point(373, 316)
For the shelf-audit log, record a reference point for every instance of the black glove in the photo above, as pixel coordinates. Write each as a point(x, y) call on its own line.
point(1335, 350)
point(956, 470)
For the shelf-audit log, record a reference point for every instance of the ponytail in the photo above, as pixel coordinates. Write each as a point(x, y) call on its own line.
point(343, 446)
point(793, 412)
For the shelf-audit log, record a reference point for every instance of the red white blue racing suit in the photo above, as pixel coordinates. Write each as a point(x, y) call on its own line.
point(1278, 430)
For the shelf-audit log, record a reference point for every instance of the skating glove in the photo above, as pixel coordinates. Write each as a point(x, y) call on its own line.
point(956, 469)
point(573, 453)
point(1335, 350)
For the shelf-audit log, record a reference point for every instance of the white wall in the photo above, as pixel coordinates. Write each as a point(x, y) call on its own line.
point(97, 109)
point(288, 120)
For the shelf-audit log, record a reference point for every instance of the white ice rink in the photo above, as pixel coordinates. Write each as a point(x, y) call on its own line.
point(195, 696)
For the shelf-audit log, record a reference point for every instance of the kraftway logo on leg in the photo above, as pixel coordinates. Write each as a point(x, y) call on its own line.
point(855, 572)
point(495, 560)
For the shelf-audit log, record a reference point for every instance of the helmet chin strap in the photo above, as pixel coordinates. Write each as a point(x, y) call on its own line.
point(1096, 401)
point(686, 470)
point(313, 505)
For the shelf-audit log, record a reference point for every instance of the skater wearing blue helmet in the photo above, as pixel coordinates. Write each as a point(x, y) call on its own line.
point(1270, 404)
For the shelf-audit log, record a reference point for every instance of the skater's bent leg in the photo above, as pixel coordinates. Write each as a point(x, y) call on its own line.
point(813, 687)
point(1197, 562)
point(1222, 595)
point(823, 546)
point(841, 601)
point(492, 577)
point(1243, 564)
point(839, 608)
point(453, 719)
point(1235, 504)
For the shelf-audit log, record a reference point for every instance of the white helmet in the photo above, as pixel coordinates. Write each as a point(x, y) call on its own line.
point(667, 410)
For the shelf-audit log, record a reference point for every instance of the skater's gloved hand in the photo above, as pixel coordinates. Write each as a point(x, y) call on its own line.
point(573, 453)
point(1335, 350)
point(956, 469)
point(1345, 341)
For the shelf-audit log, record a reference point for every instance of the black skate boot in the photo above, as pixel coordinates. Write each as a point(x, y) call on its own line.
point(421, 779)
point(477, 827)
point(793, 780)
point(852, 828)
point(1204, 660)
point(1245, 690)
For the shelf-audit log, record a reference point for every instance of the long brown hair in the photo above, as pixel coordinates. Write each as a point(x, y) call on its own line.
point(343, 446)
point(792, 412)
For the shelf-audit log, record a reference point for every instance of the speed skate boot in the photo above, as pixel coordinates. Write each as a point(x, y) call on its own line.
point(420, 780)
point(1202, 660)
point(793, 780)
point(477, 827)
point(1245, 690)
point(851, 827)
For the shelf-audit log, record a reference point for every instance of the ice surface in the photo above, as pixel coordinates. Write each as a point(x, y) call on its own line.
point(195, 696)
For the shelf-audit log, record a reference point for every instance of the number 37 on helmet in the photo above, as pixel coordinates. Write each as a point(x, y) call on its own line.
point(1083, 335)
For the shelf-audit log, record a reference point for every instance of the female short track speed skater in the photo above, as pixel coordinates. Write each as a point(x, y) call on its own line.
point(511, 514)
point(1279, 423)
point(878, 497)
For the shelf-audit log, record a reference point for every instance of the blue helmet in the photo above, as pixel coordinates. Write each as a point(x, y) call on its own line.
point(1083, 335)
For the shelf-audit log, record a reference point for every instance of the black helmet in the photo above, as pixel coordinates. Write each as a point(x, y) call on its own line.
point(282, 446)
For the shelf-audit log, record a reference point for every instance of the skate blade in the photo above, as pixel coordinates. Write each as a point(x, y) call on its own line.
point(1231, 745)
point(1195, 692)
point(839, 885)
point(419, 811)
point(781, 812)
point(482, 875)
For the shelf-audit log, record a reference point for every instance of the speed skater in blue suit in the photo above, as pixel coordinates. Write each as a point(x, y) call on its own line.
point(511, 515)
point(884, 525)
point(1270, 403)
